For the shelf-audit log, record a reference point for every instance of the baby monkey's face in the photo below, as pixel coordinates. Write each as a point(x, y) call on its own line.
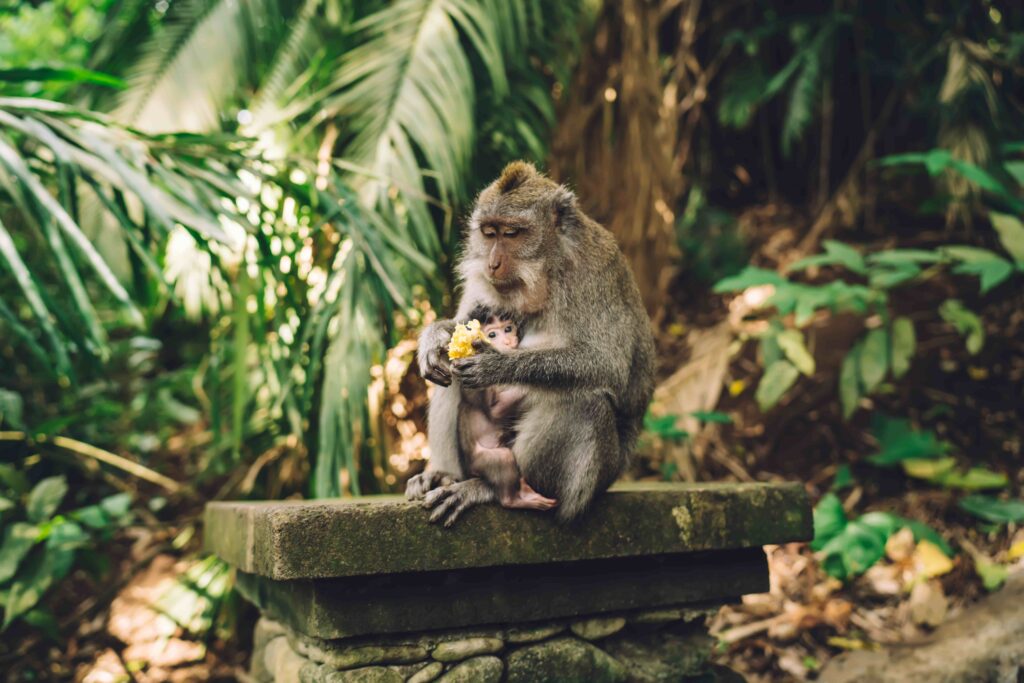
point(502, 334)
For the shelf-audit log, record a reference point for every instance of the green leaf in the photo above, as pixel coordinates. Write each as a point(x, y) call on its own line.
point(792, 344)
point(712, 416)
point(961, 252)
point(889, 276)
point(849, 381)
point(777, 380)
point(44, 621)
point(928, 468)
point(11, 407)
point(45, 566)
point(843, 478)
point(46, 498)
point(1011, 234)
point(829, 520)
point(991, 273)
point(748, 277)
point(900, 257)
point(898, 441)
point(966, 323)
point(923, 532)
point(92, 516)
point(874, 359)
point(19, 538)
point(993, 509)
point(66, 74)
point(846, 255)
point(904, 343)
point(992, 574)
point(6, 504)
point(855, 550)
point(974, 479)
point(117, 505)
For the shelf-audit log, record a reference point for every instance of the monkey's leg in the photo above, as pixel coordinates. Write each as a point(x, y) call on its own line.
point(568, 447)
point(450, 502)
point(498, 467)
point(444, 467)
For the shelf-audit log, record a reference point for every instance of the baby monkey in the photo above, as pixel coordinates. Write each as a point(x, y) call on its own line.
point(486, 419)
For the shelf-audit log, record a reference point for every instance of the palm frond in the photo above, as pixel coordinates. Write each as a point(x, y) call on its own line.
point(202, 55)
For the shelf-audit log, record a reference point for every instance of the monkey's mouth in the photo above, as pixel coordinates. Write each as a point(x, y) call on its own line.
point(506, 284)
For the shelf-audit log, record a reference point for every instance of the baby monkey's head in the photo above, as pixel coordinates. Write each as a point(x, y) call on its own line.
point(501, 328)
point(503, 334)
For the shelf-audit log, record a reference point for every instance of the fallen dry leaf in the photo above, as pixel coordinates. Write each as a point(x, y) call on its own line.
point(930, 561)
point(928, 604)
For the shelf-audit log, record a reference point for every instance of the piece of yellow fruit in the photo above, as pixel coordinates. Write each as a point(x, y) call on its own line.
point(461, 345)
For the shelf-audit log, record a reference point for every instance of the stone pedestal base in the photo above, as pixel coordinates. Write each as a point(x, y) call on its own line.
point(669, 644)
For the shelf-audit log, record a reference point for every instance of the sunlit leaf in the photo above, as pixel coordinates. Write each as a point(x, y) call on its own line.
point(749, 277)
point(904, 343)
point(792, 344)
point(874, 359)
point(19, 538)
point(849, 381)
point(966, 322)
point(45, 498)
point(1011, 234)
point(777, 380)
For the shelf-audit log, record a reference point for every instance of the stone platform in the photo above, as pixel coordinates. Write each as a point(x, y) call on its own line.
point(367, 590)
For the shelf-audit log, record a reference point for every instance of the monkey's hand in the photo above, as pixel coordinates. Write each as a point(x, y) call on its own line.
point(420, 485)
point(449, 502)
point(433, 353)
point(481, 369)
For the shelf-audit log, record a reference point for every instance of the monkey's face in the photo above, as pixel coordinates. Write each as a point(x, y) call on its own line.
point(513, 232)
point(502, 334)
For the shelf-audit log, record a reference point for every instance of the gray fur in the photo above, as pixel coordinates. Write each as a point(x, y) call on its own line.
point(587, 356)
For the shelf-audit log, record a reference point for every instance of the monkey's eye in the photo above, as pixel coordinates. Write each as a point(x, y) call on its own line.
point(488, 231)
point(492, 335)
point(508, 330)
point(510, 232)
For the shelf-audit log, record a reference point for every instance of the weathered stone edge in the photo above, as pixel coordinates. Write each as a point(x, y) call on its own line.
point(380, 535)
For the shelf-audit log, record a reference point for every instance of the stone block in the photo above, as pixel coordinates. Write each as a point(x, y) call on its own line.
point(564, 660)
point(457, 650)
point(277, 539)
point(428, 673)
point(595, 629)
point(356, 606)
point(475, 670)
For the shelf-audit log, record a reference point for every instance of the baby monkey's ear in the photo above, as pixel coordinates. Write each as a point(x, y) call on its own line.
point(514, 175)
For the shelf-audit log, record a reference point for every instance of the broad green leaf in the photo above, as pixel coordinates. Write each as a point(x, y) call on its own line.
point(904, 343)
point(6, 504)
point(874, 359)
point(46, 498)
point(92, 516)
point(1011, 234)
point(890, 276)
point(961, 252)
point(966, 323)
point(993, 509)
point(990, 273)
point(777, 380)
point(792, 344)
point(748, 277)
point(117, 505)
point(923, 532)
point(46, 565)
point(898, 441)
point(845, 254)
point(829, 520)
point(13, 479)
point(849, 381)
point(66, 534)
point(974, 479)
point(19, 538)
point(854, 550)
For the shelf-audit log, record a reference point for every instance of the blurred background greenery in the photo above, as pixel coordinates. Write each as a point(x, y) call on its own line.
point(223, 223)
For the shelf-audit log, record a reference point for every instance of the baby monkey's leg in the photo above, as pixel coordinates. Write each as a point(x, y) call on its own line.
point(498, 467)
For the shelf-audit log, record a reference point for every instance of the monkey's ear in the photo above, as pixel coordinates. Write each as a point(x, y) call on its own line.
point(514, 175)
point(564, 209)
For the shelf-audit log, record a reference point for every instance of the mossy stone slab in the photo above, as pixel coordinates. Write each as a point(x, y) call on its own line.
point(386, 535)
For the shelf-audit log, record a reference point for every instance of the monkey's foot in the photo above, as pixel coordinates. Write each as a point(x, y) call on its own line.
point(449, 502)
point(528, 499)
point(420, 485)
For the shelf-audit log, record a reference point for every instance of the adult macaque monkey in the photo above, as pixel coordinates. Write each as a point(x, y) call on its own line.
point(586, 358)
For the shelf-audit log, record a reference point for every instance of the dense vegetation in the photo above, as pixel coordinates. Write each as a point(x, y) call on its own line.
point(222, 224)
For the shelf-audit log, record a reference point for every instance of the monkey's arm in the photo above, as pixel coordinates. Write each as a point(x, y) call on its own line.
point(444, 467)
point(432, 352)
point(581, 366)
